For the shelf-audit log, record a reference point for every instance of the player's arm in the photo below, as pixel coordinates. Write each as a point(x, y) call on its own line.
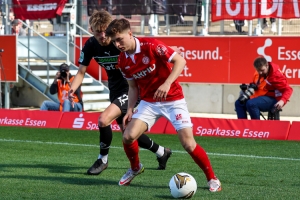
point(133, 95)
point(179, 63)
point(77, 81)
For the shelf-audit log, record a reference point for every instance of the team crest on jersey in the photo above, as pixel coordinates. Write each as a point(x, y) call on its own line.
point(81, 57)
point(145, 60)
point(161, 49)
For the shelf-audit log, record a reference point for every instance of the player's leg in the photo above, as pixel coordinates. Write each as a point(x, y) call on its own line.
point(141, 121)
point(162, 153)
point(132, 132)
point(105, 138)
point(180, 118)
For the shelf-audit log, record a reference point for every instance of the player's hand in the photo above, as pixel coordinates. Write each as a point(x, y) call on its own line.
point(126, 119)
point(162, 92)
point(71, 97)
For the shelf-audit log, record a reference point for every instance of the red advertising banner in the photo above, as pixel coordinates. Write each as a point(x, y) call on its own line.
point(8, 56)
point(37, 9)
point(27, 118)
point(294, 133)
point(234, 128)
point(89, 121)
point(213, 127)
point(228, 59)
point(252, 9)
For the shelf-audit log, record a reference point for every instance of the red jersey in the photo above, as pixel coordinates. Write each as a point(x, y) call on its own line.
point(150, 66)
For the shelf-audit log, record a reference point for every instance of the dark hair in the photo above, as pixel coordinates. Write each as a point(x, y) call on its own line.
point(117, 26)
point(100, 18)
point(259, 62)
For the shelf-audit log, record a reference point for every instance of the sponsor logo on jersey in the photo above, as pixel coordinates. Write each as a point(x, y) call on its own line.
point(144, 73)
point(104, 60)
point(161, 49)
point(178, 117)
point(127, 67)
point(145, 60)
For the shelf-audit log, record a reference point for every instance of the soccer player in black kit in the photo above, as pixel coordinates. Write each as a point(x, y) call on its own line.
point(106, 55)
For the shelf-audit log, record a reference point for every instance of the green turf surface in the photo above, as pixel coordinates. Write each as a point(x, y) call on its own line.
point(51, 164)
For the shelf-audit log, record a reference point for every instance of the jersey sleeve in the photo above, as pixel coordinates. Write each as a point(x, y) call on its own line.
point(86, 54)
point(163, 51)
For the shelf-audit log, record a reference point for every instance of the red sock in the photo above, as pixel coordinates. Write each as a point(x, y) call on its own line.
point(200, 157)
point(132, 152)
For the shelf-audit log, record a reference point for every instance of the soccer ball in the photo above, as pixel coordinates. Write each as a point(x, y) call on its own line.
point(183, 185)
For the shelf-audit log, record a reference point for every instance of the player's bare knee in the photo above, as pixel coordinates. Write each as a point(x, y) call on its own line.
point(103, 122)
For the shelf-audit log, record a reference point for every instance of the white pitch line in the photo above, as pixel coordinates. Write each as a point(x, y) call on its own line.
point(175, 151)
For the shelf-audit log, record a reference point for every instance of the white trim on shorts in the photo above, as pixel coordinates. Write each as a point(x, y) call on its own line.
point(175, 111)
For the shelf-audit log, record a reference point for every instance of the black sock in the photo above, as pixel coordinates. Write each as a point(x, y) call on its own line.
point(146, 143)
point(105, 139)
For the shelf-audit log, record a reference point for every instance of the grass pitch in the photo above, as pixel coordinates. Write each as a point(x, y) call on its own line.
point(52, 163)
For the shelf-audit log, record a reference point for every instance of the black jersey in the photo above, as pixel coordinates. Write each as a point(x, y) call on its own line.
point(106, 57)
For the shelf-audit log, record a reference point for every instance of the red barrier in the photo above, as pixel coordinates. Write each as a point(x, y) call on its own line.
point(228, 128)
point(234, 128)
point(89, 121)
point(294, 133)
point(26, 118)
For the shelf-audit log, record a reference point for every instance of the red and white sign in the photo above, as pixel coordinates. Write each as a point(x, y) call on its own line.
point(253, 9)
point(27, 118)
point(37, 9)
point(234, 128)
point(228, 128)
point(89, 121)
point(227, 59)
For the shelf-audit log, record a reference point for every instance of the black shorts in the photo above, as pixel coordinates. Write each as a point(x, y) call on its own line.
point(122, 103)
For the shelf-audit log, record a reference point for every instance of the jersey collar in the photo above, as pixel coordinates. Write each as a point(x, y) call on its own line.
point(137, 48)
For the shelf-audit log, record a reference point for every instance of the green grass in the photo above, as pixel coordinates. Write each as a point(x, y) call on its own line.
point(51, 164)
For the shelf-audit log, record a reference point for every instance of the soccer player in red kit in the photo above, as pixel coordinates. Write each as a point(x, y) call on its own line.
point(145, 63)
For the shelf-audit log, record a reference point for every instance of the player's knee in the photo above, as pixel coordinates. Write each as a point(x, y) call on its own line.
point(189, 146)
point(103, 122)
point(127, 138)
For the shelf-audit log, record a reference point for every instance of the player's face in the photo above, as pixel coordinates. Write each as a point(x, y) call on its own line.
point(123, 41)
point(100, 36)
point(263, 70)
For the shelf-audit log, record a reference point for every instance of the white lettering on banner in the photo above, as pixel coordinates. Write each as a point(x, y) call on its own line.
point(277, 8)
point(31, 122)
point(247, 133)
point(217, 132)
point(200, 54)
point(42, 7)
point(185, 72)
point(92, 126)
point(291, 73)
point(21, 122)
point(8, 121)
point(78, 122)
point(255, 134)
point(291, 54)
